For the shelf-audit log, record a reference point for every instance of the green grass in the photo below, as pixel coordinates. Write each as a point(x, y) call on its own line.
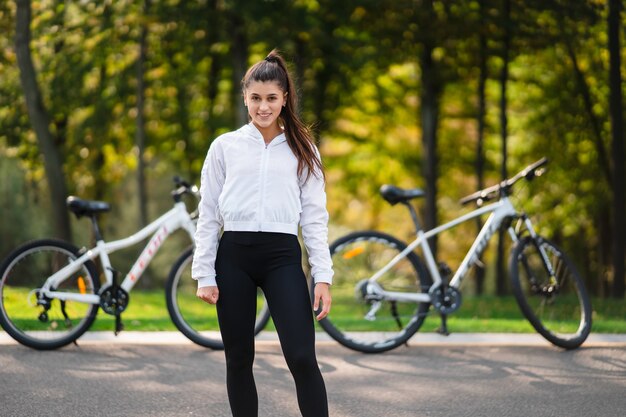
point(486, 314)
point(147, 312)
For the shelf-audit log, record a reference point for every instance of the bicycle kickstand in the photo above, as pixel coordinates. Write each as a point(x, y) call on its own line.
point(443, 329)
point(119, 326)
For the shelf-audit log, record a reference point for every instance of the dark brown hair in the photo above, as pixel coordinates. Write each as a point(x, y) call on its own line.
point(299, 138)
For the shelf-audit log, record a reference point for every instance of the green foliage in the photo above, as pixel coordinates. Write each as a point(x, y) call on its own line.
point(358, 73)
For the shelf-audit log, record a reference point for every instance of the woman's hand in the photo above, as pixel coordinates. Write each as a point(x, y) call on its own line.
point(208, 294)
point(321, 293)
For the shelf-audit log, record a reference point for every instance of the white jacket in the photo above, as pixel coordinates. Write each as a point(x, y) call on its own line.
point(247, 185)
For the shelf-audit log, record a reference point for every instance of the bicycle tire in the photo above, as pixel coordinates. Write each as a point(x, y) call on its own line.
point(356, 257)
point(194, 318)
point(561, 313)
point(27, 269)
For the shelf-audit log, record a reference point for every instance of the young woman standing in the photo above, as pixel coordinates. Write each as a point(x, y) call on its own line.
point(259, 183)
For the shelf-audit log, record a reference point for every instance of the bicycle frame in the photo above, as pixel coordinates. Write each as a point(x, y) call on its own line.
point(500, 210)
point(176, 218)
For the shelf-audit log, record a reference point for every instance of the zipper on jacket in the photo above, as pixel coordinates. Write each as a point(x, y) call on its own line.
point(264, 162)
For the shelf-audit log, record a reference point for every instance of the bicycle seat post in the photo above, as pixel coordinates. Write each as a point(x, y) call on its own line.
point(96, 229)
point(413, 216)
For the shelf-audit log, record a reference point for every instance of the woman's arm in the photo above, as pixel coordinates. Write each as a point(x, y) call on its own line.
point(209, 221)
point(314, 223)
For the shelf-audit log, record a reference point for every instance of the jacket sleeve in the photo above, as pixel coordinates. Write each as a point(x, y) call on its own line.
point(210, 221)
point(314, 224)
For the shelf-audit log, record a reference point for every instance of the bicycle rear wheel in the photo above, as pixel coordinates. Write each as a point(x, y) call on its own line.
point(356, 257)
point(45, 323)
point(195, 318)
point(558, 306)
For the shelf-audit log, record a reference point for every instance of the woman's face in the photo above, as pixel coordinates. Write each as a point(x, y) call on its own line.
point(265, 101)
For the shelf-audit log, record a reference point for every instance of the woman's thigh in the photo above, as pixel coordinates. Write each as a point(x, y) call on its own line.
point(287, 294)
point(236, 305)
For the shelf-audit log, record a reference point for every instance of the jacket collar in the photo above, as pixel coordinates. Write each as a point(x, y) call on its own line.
point(252, 130)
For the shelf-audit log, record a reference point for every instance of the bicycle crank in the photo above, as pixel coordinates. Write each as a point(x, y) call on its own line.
point(113, 300)
point(445, 299)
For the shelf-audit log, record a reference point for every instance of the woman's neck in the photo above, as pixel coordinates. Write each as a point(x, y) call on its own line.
point(269, 133)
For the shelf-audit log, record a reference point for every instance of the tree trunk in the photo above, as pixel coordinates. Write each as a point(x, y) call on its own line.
point(617, 146)
point(504, 77)
point(429, 118)
point(480, 153)
point(141, 123)
point(214, 12)
point(240, 65)
point(40, 121)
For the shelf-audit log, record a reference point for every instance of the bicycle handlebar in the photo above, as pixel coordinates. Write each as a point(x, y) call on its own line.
point(489, 193)
point(182, 188)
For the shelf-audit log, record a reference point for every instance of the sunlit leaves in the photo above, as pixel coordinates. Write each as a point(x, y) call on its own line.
point(357, 63)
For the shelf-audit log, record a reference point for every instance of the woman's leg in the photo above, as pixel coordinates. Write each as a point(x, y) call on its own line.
point(236, 309)
point(288, 298)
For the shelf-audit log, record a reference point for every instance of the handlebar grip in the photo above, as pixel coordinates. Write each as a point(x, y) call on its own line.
point(533, 167)
point(469, 198)
point(179, 181)
point(484, 194)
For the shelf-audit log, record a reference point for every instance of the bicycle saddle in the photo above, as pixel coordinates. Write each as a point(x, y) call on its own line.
point(82, 207)
point(395, 195)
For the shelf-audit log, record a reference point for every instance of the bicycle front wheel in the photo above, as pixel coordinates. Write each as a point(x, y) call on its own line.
point(195, 318)
point(355, 320)
point(35, 320)
point(557, 306)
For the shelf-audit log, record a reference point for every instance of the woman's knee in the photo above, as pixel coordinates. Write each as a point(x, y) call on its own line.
point(239, 359)
point(302, 362)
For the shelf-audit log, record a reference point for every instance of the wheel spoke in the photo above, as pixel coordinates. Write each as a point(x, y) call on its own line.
point(54, 322)
point(362, 318)
point(557, 306)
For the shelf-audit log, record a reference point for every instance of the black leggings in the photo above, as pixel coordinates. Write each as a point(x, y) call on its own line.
point(271, 261)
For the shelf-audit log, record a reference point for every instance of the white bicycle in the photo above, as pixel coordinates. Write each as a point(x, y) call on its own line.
point(383, 291)
point(50, 290)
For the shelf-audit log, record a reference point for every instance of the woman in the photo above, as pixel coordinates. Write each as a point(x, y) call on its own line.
point(259, 183)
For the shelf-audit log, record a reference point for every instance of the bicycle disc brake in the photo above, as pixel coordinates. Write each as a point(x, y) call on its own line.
point(445, 299)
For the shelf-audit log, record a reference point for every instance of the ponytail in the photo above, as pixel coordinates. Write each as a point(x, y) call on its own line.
point(274, 68)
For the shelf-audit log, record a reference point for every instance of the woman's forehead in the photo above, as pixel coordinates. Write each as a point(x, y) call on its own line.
point(263, 88)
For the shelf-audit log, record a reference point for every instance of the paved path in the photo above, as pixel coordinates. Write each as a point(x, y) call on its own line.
point(422, 339)
point(484, 375)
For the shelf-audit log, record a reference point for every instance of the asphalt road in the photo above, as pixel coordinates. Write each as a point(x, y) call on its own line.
point(181, 379)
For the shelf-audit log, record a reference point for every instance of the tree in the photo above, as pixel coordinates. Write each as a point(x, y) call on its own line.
point(480, 119)
point(141, 123)
point(617, 145)
point(40, 121)
point(504, 79)
point(429, 115)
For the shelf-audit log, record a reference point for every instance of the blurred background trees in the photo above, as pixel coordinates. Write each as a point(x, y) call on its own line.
point(110, 99)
